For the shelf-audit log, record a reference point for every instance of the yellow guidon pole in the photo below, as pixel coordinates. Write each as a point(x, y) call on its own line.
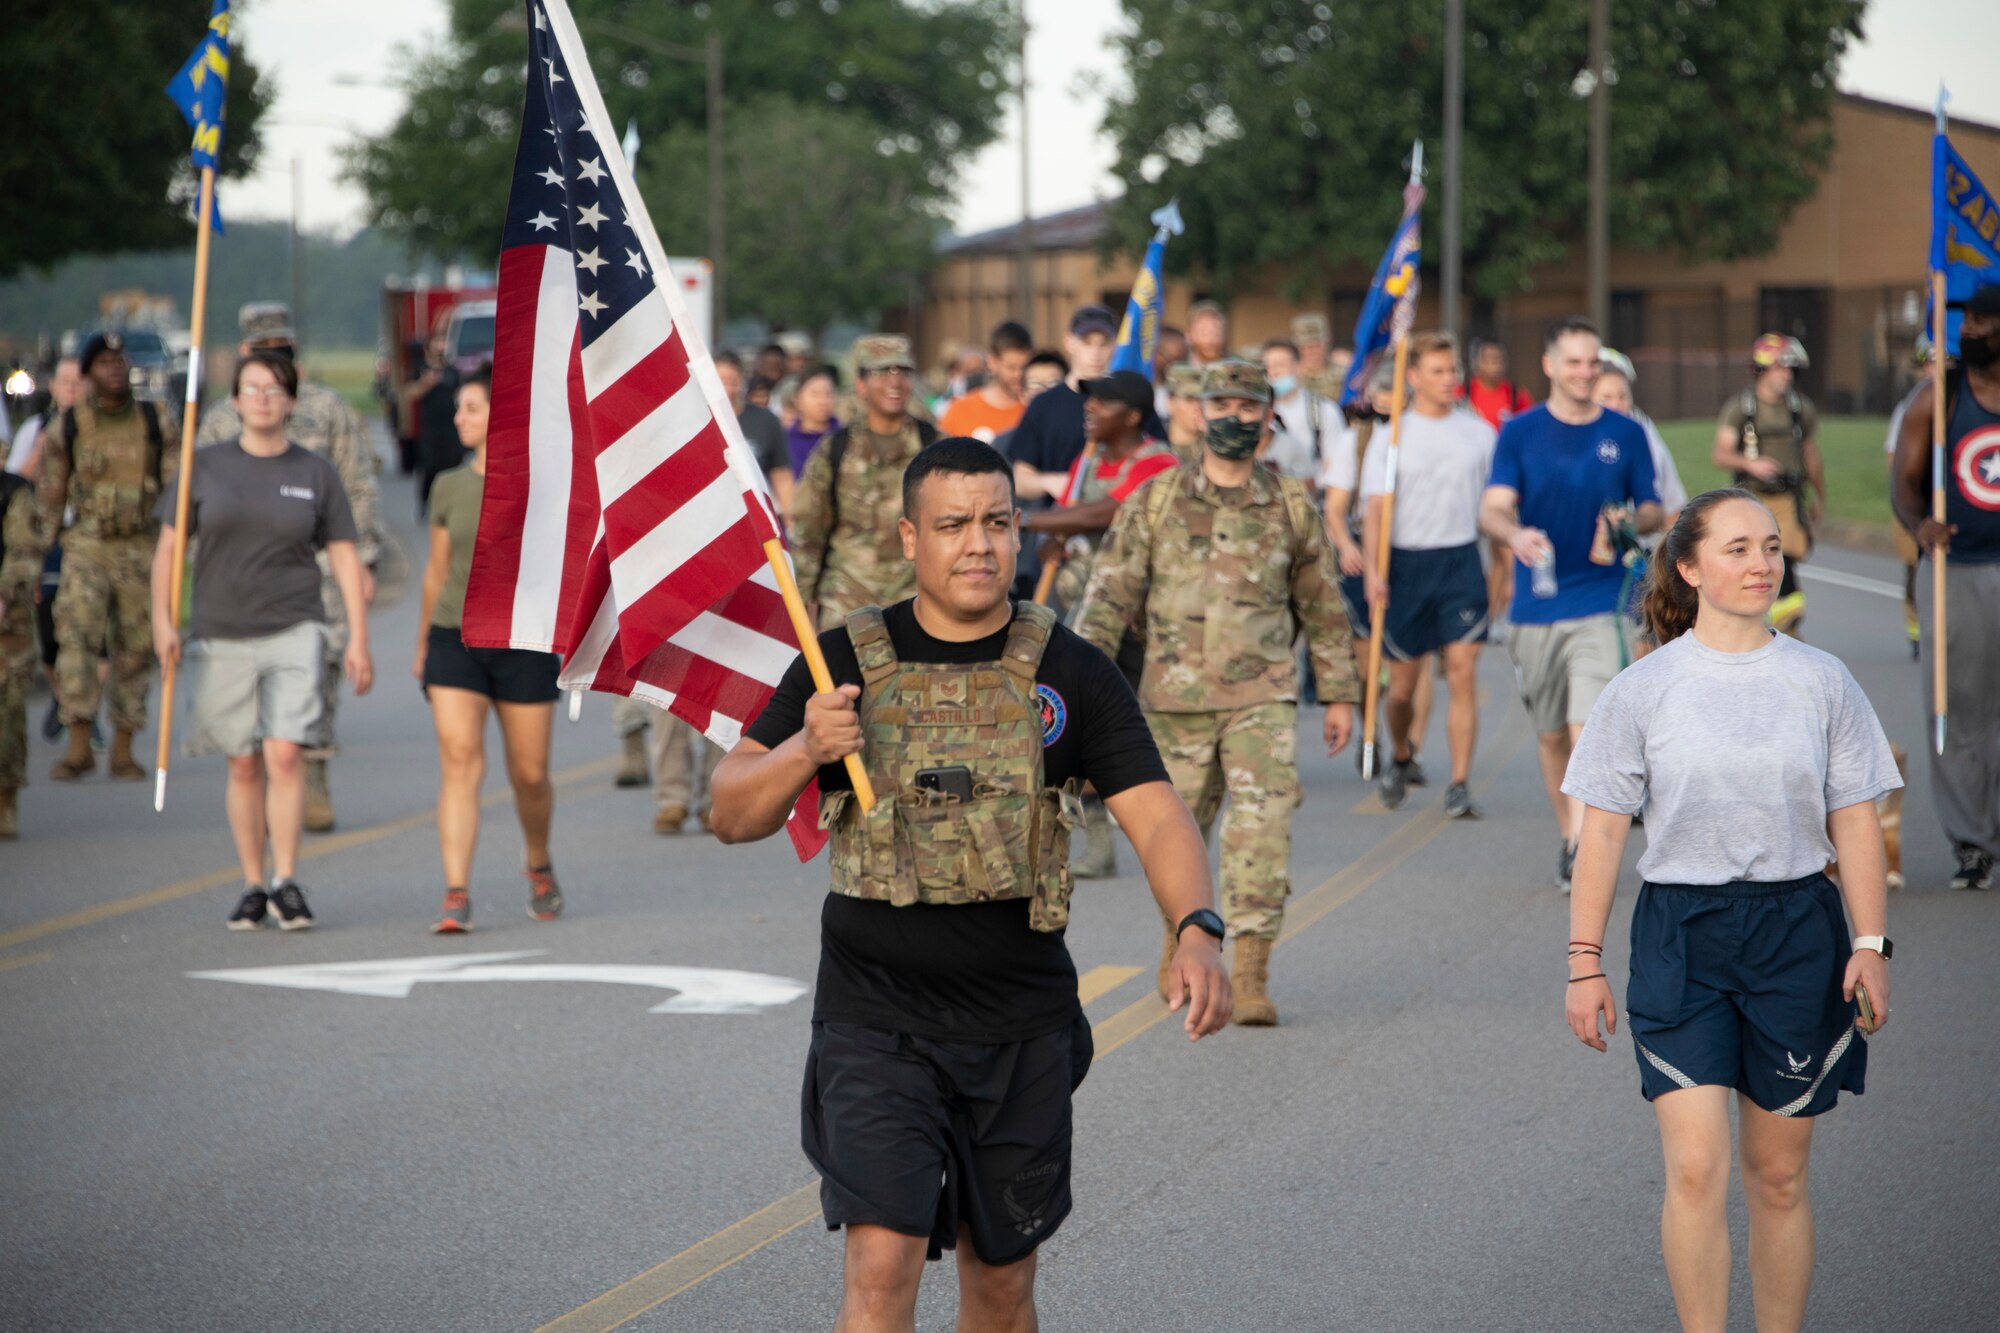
point(1937, 508)
point(1372, 687)
point(190, 410)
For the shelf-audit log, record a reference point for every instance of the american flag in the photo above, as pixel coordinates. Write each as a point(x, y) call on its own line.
point(624, 519)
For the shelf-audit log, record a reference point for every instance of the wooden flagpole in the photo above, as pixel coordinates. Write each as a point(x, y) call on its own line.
point(788, 587)
point(1047, 582)
point(1937, 509)
point(190, 410)
point(1372, 687)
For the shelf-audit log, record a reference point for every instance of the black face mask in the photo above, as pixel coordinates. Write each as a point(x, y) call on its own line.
point(1979, 353)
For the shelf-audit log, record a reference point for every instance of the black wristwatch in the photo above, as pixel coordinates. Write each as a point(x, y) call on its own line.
point(1206, 918)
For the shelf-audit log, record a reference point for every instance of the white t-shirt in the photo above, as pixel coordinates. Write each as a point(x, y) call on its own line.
point(1442, 467)
point(24, 443)
point(1735, 758)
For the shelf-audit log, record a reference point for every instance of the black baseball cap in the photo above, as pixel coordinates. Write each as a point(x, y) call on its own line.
point(1984, 300)
point(106, 340)
point(1093, 319)
point(1122, 386)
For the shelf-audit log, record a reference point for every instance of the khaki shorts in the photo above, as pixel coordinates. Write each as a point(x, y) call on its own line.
point(247, 691)
point(1563, 667)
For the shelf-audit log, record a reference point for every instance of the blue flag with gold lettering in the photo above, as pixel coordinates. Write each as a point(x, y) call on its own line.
point(1965, 230)
point(199, 89)
point(1140, 333)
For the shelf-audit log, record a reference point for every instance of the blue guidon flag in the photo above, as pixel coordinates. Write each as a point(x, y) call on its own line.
point(624, 522)
point(1388, 313)
point(1140, 333)
point(1965, 228)
point(200, 89)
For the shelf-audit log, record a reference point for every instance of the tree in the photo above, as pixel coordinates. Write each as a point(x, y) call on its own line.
point(1284, 126)
point(95, 155)
point(926, 79)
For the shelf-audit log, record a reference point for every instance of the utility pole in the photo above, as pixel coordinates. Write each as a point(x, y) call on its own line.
point(1454, 136)
point(1027, 238)
point(717, 243)
point(1599, 280)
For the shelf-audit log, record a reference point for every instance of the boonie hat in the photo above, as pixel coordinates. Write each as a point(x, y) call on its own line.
point(266, 322)
point(105, 340)
point(1235, 379)
point(1122, 386)
point(883, 351)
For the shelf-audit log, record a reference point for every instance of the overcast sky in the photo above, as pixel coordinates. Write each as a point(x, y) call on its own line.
point(328, 61)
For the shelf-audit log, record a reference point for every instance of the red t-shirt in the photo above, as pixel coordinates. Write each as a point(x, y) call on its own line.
point(1124, 475)
point(1498, 403)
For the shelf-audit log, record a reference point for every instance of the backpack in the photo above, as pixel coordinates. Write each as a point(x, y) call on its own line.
point(837, 451)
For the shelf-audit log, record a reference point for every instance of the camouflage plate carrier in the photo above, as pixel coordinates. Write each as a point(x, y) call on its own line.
point(1011, 840)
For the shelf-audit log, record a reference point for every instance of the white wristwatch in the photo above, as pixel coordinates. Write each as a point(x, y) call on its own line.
point(1879, 943)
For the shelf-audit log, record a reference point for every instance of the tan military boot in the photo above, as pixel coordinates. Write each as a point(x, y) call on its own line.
point(319, 800)
point(1100, 855)
point(10, 818)
point(1249, 979)
point(123, 767)
point(1173, 942)
point(632, 773)
point(79, 760)
point(668, 821)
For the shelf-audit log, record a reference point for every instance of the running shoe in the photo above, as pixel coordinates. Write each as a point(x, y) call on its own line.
point(456, 918)
point(251, 909)
point(52, 723)
point(545, 900)
point(289, 902)
point(1458, 802)
point(1975, 868)
point(1413, 773)
point(1565, 866)
point(1394, 784)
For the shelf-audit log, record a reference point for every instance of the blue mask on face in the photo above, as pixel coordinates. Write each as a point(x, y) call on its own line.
point(1283, 385)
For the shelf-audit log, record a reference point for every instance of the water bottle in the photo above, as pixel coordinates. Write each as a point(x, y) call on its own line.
point(1545, 574)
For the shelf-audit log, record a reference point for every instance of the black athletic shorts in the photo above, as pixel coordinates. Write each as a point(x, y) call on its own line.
point(504, 675)
point(918, 1135)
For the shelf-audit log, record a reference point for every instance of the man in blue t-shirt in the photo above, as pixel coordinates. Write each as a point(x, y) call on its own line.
point(1558, 471)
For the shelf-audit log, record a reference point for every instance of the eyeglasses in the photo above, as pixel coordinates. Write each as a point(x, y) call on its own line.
point(268, 391)
point(890, 373)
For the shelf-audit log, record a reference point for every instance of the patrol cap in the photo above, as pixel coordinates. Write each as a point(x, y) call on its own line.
point(1184, 380)
point(1235, 379)
point(795, 342)
point(883, 351)
point(1309, 329)
point(1090, 319)
point(266, 322)
point(104, 340)
point(1122, 386)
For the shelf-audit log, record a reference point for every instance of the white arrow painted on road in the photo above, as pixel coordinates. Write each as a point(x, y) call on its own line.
point(698, 990)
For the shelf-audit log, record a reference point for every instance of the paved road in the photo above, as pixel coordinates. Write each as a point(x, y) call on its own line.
point(1422, 1146)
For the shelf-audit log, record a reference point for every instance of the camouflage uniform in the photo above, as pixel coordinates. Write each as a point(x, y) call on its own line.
point(1011, 840)
point(1221, 582)
point(1313, 329)
point(858, 561)
point(1183, 379)
point(323, 422)
point(111, 476)
point(20, 577)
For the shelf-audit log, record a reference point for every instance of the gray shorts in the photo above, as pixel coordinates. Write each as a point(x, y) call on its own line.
point(1563, 667)
point(247, 691)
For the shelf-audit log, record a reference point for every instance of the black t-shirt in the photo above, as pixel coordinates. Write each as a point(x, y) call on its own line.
point(437, 431)
point(1050, 435)
point(765, 435)
point(973, 971)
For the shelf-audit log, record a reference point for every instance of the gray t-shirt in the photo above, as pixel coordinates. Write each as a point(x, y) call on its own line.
point(1736, 759)
point(1442, 464)
point(260, 520)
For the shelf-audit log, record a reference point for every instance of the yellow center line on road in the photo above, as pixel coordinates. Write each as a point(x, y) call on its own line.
point(312, 850)
point(738, 1241)
point(25, 960)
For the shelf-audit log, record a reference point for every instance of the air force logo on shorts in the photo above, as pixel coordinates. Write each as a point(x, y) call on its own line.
point(1607, 451)
point(1055, 714)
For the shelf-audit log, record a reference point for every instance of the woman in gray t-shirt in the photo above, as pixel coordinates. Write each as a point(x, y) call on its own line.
point(262, 508)
point(1756, 761)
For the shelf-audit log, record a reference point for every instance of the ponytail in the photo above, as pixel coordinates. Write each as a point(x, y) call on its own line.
point(1670, 602)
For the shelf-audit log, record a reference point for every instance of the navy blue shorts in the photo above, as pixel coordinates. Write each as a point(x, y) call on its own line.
point(1355, 594)
point(1436, 597)
point(1738, 985)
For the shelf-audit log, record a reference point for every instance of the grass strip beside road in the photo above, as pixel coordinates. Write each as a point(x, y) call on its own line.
point(1857, 469)
point(313, 849)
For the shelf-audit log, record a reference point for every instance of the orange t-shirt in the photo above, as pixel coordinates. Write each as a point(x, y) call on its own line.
point(973, 415)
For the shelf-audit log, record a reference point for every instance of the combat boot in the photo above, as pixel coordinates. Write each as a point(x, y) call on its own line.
point(319, 800)
point(1249, 978)
point(79, 760)
point(10, 819)
point(632, 773)
point(123, 767)
point(1100, 855)
point(668, 820)
point(1167, 949)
